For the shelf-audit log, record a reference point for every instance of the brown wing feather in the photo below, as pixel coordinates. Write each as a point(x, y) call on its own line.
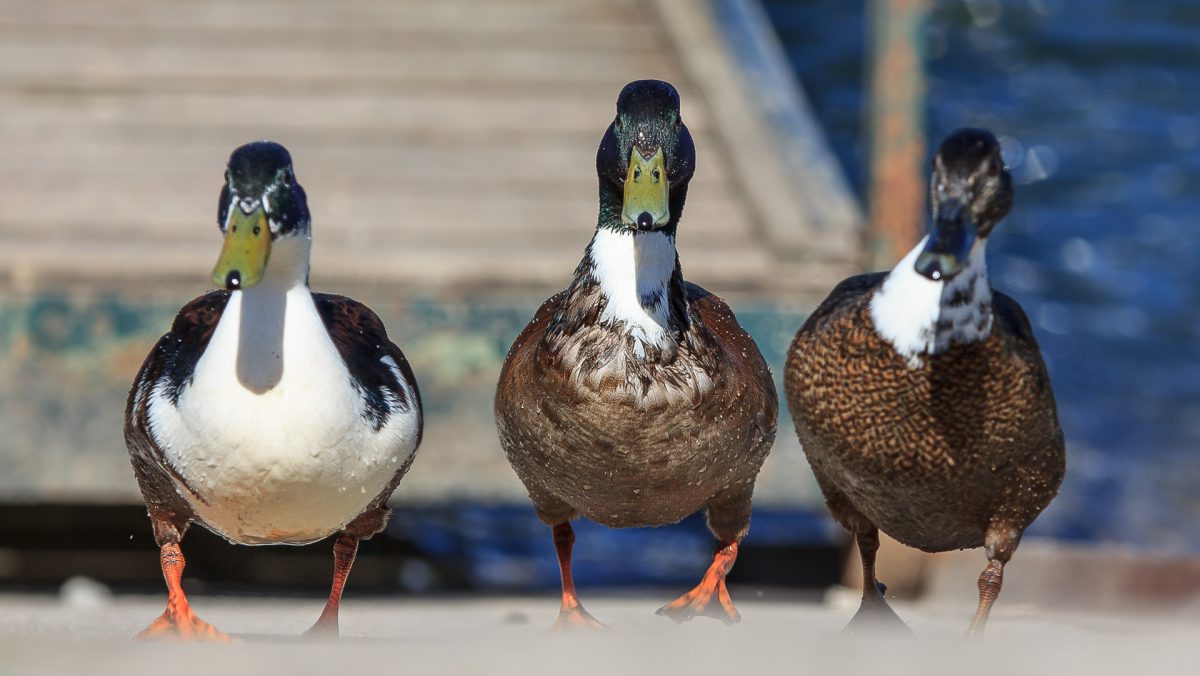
point(740, 351)
point(844, 296)
point(527, 341)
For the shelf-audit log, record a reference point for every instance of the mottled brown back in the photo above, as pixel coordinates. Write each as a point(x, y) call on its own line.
point(586, 448)
point(932, 455)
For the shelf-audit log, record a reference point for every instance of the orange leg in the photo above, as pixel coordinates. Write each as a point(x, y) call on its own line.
point(178, 621)
point(572, 614)
point(699, 600)
point(344, 550)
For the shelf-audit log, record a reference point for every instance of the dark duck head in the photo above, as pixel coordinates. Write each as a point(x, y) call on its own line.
point(938, 295)
point(263, 214)
point(969, 192)
point(630, 271)
point(645, 160)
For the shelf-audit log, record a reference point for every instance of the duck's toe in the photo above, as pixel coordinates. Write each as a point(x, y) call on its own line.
point(576, 618)
point(876, 617)
point(700, 601)
point(182, 625)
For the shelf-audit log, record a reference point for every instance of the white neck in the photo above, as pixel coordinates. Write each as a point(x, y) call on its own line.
point(287, 266)
point(634, 271)
point(264, 310)
point(919, 316)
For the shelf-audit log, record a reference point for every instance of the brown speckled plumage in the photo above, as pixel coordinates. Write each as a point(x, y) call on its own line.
point(634, 398)
point(589, 449)
point(934, 456)
point(954, 448)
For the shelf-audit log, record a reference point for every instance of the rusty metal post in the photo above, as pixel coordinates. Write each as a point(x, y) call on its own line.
point(896, 120)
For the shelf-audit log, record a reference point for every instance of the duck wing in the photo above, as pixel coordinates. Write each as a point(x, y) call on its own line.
point(380, 371)
point(166, 371)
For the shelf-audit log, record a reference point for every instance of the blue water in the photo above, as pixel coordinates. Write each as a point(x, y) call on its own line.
point(1097, 103)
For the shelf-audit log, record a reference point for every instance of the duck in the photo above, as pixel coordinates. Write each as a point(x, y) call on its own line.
point(634, 398)
point(269, 413)
point(920, 396)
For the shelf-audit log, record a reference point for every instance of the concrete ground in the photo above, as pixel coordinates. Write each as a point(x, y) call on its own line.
point(83, 629)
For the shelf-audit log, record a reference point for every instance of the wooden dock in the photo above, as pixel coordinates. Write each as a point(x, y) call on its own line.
point(448, 152)
point(444, 145)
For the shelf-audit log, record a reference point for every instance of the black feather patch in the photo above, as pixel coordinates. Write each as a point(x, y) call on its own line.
point(178, 351)
point(362, 340)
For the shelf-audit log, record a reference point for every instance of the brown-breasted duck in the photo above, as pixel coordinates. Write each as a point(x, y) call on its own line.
point(634, 398)
point(920, 395)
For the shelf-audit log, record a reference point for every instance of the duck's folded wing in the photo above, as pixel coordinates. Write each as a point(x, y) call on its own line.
point(380, 371)
point(166, 372)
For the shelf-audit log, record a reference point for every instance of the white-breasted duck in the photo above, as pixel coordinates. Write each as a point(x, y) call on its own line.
point(635, 398)
point(269, 414)
point(920, 395)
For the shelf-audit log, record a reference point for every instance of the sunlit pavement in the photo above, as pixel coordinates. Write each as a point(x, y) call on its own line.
point(82, 633)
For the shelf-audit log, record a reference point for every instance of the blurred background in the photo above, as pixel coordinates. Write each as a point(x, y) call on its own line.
point(447, 150)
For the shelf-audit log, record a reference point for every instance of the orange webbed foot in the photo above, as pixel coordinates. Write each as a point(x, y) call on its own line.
point(699, 601)
point(576, 618)
point(324, 629)
point(183, 626)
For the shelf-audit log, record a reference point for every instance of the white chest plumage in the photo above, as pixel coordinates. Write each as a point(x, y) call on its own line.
point(270, 434)
point(633, 271)
point(919, 316)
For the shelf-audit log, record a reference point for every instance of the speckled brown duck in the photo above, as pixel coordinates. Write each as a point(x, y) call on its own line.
point(920, 395)
point(634, 398)
point(269, 414)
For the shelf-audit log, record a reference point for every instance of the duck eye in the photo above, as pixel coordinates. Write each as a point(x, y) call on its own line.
point(637, 173)
point(655, 174)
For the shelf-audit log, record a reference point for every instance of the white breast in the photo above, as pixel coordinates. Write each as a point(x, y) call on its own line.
point(276, 448)
point(919, 316)
point(631, 267)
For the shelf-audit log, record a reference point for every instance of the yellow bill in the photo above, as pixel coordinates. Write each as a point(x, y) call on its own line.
point(245, 252)
point(646, 205)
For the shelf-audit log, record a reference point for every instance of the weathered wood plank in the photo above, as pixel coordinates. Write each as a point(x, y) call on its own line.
point(413, 219)
point(192, 167)
point(27, 62)
point(495, 15)
point(453, 266)
point(381, 112)
point(400, 37)
point(417, 127)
